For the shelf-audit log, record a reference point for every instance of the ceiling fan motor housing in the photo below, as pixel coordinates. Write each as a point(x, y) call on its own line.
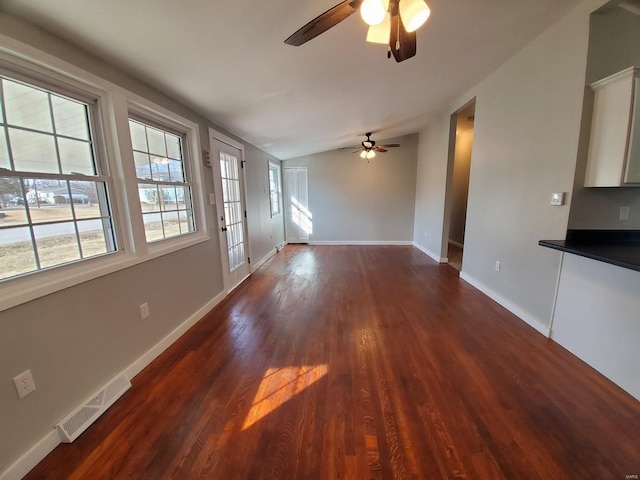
point(368, 144)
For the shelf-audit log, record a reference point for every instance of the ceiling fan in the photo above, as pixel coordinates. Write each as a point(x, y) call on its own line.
point(369, 148)
point(392, 22)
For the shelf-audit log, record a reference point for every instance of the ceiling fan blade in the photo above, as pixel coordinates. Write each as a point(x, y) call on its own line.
point(390, 145)
point(380, 149)
point(324, 22)
point(359, 150)
point(401, 43)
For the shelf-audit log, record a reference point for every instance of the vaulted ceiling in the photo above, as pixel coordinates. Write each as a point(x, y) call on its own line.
point(227, 60)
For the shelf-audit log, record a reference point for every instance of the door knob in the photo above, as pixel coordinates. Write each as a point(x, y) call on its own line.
point(224, 229)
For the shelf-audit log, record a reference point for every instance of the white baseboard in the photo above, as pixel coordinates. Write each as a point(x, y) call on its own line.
point(36, 454)
point(263, 260)
point(456, 244)
point(512, 307)
point(361, 242)
point(32, 457)
point(428, 252)
point(155, 351)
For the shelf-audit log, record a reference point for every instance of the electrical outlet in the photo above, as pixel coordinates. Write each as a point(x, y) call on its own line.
point(24, 384)
point(144, 311)
point(624, 214)
point(498, 266)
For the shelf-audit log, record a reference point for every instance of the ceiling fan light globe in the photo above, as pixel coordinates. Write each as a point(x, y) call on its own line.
point(370, 154)
point(373, 11)
point(380, 33)
point(414, 13)
point(363, 154)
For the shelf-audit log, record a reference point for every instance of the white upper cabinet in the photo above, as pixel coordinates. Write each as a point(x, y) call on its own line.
point(614, 146)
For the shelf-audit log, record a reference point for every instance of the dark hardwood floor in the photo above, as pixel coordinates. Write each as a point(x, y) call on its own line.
point(360, 362)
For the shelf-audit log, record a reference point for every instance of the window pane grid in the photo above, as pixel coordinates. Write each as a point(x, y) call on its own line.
point(56, 203)
point(43, 139)
point(164, 192)
point(231, 192)
point(274, 189)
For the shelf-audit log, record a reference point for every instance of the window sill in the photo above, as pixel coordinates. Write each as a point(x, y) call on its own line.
point(32, 286)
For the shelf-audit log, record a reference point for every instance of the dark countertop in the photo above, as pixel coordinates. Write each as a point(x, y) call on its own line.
point(617, 247)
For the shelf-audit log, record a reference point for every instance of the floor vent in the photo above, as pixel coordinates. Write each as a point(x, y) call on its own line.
point(79, 420)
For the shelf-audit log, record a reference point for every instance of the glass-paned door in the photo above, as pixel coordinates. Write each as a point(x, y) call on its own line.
point(233, 211)
point(230, 200)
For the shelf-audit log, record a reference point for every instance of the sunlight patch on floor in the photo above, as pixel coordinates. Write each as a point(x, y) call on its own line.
point(280, 385)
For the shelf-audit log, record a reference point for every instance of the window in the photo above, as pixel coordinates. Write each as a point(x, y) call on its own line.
point(65, 216)
point(53, 188)
point(275, 189)
point(164, 190)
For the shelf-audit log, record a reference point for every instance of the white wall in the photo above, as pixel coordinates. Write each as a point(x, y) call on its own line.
point(527, 124)
point(597, 318)
point(76, 339)
point(353, 200)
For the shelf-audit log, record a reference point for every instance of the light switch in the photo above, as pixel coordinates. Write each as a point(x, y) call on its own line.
point(557, 198)
point(212, 199)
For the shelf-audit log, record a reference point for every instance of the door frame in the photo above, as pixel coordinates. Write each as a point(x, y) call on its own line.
point(448, 202)
point(214, 135)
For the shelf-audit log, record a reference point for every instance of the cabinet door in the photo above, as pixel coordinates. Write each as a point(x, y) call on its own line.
point(609, 132)
point(632, 174)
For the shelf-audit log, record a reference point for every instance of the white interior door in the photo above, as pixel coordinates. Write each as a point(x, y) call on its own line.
point(299, 221)
point(228, 168)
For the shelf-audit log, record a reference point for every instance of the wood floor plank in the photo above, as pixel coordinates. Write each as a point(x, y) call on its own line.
point(360, 363)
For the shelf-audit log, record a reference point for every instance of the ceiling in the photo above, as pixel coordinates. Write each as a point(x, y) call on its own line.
point(227, 60)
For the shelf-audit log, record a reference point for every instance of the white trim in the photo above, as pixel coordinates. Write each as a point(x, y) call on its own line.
point(360, 242)
point(555, 295)
point(155, 351)
point(215, 136)
point(113, 137)
point(240, 282)
point(226, 139)
point(429, 253)
point(32, 457)
point(51, 440)
point(163, 118)
point(456, 244)
point(277, 167)
point(263, 260)
point(512, 307)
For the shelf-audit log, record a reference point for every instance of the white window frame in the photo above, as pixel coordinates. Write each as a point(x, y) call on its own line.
point(276, 167)
point(156, 115)
point(112, 137)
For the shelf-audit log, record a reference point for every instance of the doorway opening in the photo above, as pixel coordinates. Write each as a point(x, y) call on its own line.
point(459, 169)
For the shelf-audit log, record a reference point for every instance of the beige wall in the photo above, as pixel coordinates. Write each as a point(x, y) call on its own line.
point(76, 339)
point(355, 201)
point(527, 123)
